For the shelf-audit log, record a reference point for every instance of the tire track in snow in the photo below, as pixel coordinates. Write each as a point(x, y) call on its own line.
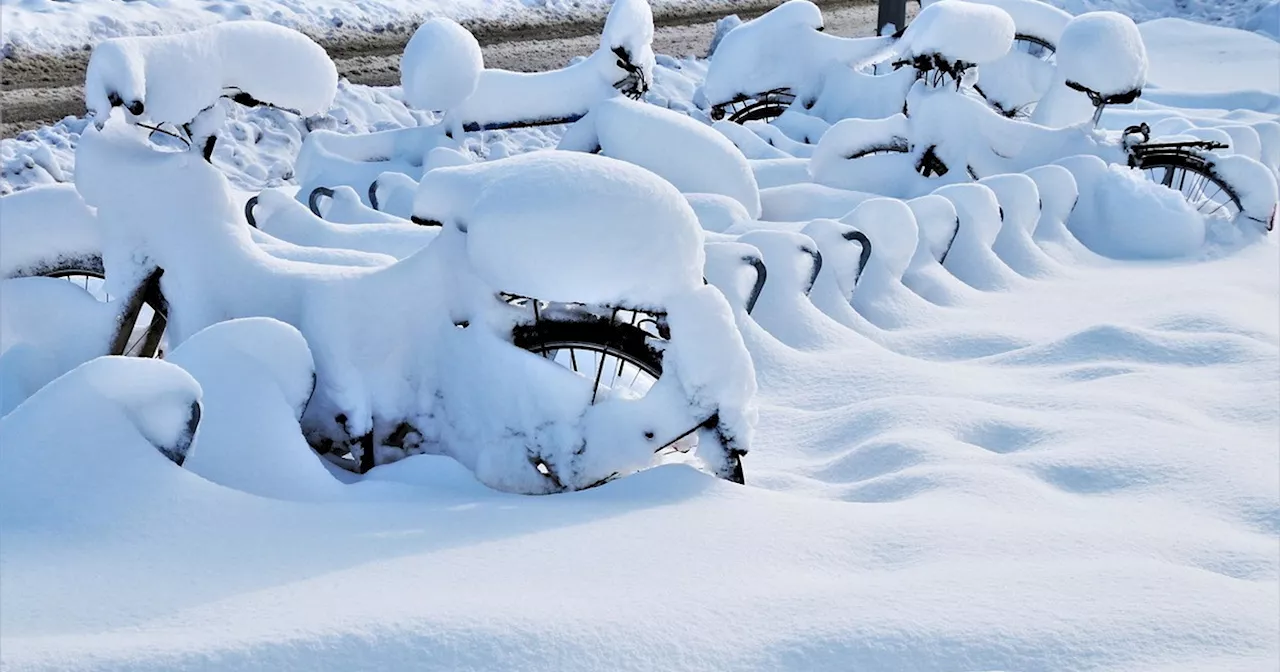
point(38, 89)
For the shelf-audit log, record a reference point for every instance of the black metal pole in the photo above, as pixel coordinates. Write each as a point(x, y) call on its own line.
point(891, 12)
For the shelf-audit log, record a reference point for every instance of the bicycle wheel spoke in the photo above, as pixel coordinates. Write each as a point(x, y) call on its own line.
point(595, 388)
point(1196, 183)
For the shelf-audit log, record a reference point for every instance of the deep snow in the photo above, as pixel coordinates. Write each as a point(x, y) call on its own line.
point(1254, 15)
point(1097, 492)
point(1025, 457)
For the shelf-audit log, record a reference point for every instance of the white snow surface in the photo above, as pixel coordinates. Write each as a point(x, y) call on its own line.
point(569, 226)
point(440, 66)
point(959, 31)
point(174, 77)
point(781, 48)
point(41, 225)
point(1253, 15)
point(1104, 52)
point(1100, 494)
point(1034, 18)
point(1027, 457)
point(1193, 57)
point(687, 153)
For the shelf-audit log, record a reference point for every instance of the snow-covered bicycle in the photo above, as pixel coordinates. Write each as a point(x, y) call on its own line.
point(949, 133)
point(543, 341)
point(640, 358)
point(442, 71)
point(760, 68)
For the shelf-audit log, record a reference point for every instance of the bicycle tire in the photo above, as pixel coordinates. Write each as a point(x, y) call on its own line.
point(626, 342)
point(1192, 175)
point(764, 106)
point(78, 270)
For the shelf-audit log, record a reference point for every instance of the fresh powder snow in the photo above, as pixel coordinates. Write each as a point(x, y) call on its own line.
point(1001, 400)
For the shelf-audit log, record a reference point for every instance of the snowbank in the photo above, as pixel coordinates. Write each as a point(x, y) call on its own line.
point(146, 411)
point(1123, 215)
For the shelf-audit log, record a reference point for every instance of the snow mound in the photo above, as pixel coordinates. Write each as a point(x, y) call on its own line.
point(257, 376)
point(344, 206)
point(891, 226)
point(1123, 215)
point(717, 212)
point(48, 326)
point(568, 226)
point(441, 65)
point(723, 26)
point(780, 49)
point(971, 258)
point(331, 159)
point(1020, 211)
point(1254, 185)
point(1103, 52)
point(628, 33)
point(173, 78)
point(624, 61)
point(807, 200)
point(688, 154)
point(958, 31)
point(393, 193)
point(937, 221)
point(99, 430)
point(1031, 18)
point(45, 226)
point(285, 218)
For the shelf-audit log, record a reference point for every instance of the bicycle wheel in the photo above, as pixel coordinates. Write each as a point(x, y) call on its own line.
point(1035, 47)
point(765, 106)
point(615, 355)
point(621, 363)
point(1193, 176)
point(141, 333)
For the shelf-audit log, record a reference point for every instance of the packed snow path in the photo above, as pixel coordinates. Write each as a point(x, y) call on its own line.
point(40, 89)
